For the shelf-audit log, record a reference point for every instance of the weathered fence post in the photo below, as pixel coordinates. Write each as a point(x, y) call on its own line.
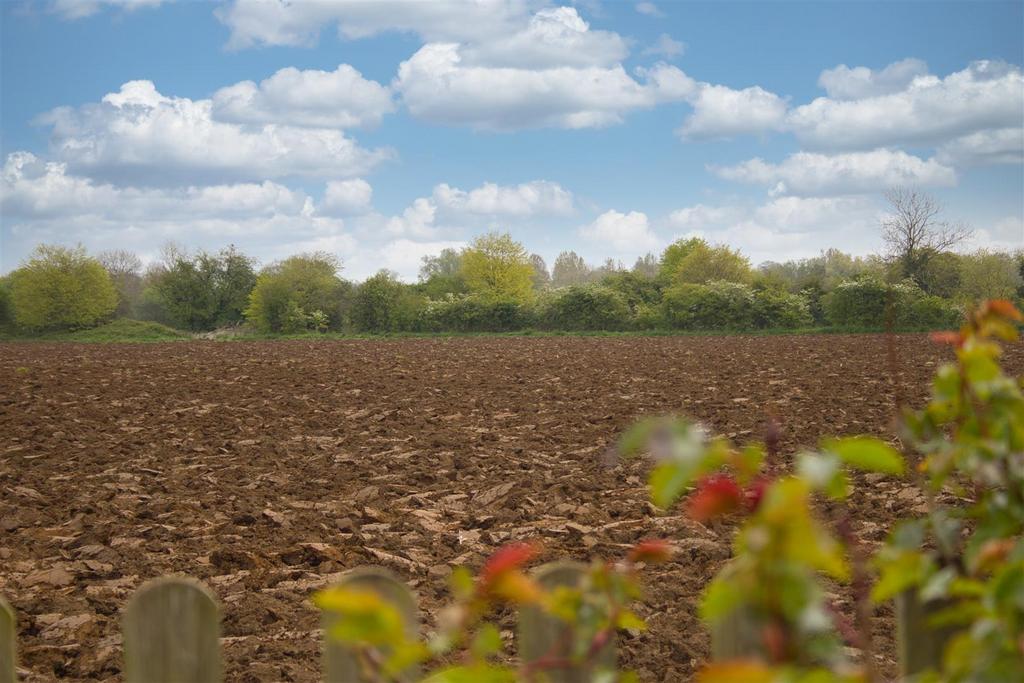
point(172, 633)
point(341, 663)
point(920, 646)
point(8, 637)
point(542, 636)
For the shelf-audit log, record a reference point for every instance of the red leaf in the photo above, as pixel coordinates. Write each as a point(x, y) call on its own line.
point(506, 559)
point(1003, 308)
point(651, 551)
point(716, 495)
point(753, 494)
point(952, 338)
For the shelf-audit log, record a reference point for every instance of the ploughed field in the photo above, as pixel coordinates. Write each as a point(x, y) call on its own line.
point(266, 468)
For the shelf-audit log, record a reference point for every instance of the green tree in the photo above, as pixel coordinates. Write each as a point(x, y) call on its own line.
point(647, 266)
point(704, 263)
point(383, 304)
point(299, 293)
point(498, 268)
point(6, 314)
point(940, 276)
point(569, 269)
point(441, 274)
point(673, 256)
point(61, 288)
point(203, 291)
point(988, 275)
point(541, 276)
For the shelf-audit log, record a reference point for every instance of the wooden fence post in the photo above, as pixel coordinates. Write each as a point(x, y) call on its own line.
point(172, 633)
point(8, 638)
point(341, 663)
point(541, 635)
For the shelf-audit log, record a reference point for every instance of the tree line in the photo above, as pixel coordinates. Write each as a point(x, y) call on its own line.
point(495, 285)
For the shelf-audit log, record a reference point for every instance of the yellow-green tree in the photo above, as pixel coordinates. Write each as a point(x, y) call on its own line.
point(697, 262)
point(496, 267)
point(61, 288)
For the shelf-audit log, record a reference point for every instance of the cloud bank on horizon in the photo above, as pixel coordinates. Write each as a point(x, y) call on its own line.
point(294, 158)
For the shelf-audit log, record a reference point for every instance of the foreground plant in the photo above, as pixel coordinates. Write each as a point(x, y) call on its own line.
point(591, 612)
point(767, 610)
point(964, 563)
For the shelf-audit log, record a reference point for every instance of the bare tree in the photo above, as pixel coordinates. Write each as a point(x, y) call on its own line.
point(913, 232)
point(125, 268)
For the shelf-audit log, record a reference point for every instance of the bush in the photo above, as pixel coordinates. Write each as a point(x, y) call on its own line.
point(61, 288)
point(298, 294)
point(6, 314)
point(475, 314)
point(383, 304)
point(714, 306)
point(584, 307)
point(774, 309)
point(874, 304)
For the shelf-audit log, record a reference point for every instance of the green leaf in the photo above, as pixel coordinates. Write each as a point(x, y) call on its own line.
point(868, 454)
point(719, 600)
point(473, 673)
point(668, 480)
point(487, 641)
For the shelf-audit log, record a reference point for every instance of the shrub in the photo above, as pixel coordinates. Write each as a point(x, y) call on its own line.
point(61, 288)
point(872, 303)
point(383, 304)
point(584, 308)
point(6, 315)
point(473, 313)
point(287, 294)
point(774, 309)
point(714, 306)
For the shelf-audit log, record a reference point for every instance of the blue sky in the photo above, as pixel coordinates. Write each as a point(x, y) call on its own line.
point(385, 131)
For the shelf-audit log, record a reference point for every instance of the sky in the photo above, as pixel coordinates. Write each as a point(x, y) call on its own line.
point(385, 131)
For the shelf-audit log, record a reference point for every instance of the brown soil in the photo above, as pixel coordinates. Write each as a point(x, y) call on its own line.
point(265, 468)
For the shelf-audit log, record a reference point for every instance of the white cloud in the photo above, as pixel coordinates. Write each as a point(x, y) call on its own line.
point(649, 8)
point(299, 22)
point(721, 112)
point(435, 85)
point(700, 217)
point(844, 83)
point(344, 197)
point(405, 256)
point(555, 36)
point(666, 47)
point(806, 173)
point(41, 202)
point(322, 99)
point(986, 95)
point(626, 233)
point(998, 146)
point(417, 220)
point(526, 199)
point(1004, 234)
point(785, 227)
point(79, 9)
point(141, 136)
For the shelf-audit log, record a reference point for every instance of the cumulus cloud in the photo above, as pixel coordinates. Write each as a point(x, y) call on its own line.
point(79, 9)
point(343, 197)
point(556, 36)
point(999, 146)
point(929, 110)
point(526, 199)
point(626, 233)
point(299, 22)
point(806, 173)
point(139, 135)
point(666, 47)
point(417, 220)
point(405, 256)
point(722, 112)
point(435, 85)
point(321, 99)
point(1004, 234)
point(844, 83)
point(42, 202)
point(785, 227)
point(649, 9)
